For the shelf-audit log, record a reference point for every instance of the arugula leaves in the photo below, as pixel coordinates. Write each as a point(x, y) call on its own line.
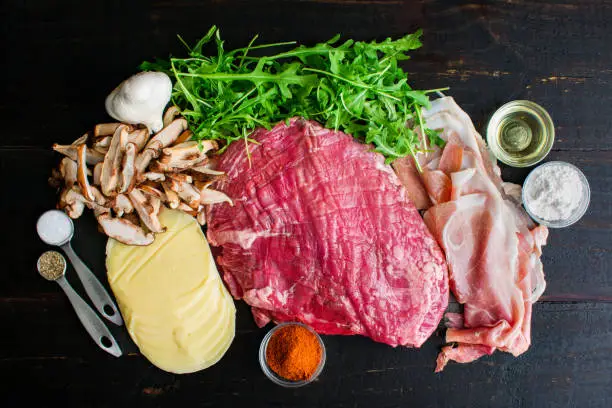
point(357, 87)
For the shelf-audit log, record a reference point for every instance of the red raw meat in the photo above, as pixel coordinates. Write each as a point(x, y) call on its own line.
point(323, 232)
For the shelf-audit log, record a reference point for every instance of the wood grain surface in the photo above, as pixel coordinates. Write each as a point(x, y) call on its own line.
point(62, 58)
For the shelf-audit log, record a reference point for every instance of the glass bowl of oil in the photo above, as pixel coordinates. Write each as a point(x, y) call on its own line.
point(520, 133)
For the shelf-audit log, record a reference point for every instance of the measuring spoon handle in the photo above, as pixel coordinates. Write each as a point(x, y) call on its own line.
point(96, 292)
point(93, 324)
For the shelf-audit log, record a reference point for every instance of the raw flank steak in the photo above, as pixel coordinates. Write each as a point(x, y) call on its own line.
point(323, 232)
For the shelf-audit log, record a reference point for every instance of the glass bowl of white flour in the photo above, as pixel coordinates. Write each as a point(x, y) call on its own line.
point(556, 194)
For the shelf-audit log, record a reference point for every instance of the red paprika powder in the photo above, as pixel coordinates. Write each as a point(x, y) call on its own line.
point(294, 353)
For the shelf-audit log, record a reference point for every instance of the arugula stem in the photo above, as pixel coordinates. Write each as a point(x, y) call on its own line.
point(352, 83)
point(246, 51)
point(188, 95)
point(253, 77)
point(184, 43)
point(436, 90)
point(416, 160)
point(257, 47)
point(356, 87)
point(421, 127)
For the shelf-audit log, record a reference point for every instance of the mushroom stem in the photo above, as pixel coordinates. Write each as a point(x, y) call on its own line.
point(172, 197)
point(187, 209)
point(154, 176)
point(150, 190)
point(171, 113)
point(139, 137)
point(105, 129)
point(185, 155)
point(164, 138)
point(72, 201)
point(184, 137)
point(112, 161)
point(181, 177)
point(127, 172)
point(205, 169)
point(122, 205)
point(81, 140)
point(102, 144)
point(97, 174)
point(98, 204)
point(208, 196)
point(82, 173)
point(187, 192)
point(201, 217)
point(93, 157)
point(68, 171)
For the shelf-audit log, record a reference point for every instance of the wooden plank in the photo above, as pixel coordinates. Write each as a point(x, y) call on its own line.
point(64, 59)
point(578, 259)
point(567, 365)
point(488, 54)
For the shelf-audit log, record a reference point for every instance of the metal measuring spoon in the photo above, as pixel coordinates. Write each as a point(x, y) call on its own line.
point(61, 237)
point(90, 320)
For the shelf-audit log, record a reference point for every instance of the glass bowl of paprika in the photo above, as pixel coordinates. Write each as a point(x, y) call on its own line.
point(292, 355)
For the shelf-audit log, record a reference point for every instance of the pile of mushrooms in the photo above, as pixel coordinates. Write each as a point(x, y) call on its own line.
point(125, 175)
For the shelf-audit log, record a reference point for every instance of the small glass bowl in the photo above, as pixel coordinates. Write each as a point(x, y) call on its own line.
point(578, 212)
point(537, 114)
point(275, 378)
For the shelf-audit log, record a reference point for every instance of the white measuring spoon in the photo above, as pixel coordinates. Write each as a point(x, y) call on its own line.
point(90, 320)
point(56, 228)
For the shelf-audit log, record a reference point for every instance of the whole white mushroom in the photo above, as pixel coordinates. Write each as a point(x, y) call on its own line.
point(141, 99)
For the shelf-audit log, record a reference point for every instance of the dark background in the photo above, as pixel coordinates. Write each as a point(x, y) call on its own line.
point(61, 59)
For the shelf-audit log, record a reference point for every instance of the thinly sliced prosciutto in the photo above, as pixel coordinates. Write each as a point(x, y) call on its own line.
point(492, 247)
point(408, 174)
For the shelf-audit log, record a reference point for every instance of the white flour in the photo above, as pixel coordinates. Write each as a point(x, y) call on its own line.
point(554, 192)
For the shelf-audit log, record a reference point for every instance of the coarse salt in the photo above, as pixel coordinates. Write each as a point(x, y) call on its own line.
point(554, 192)
point(54, 227)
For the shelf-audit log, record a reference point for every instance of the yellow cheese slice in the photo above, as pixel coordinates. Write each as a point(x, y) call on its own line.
point(175, 306)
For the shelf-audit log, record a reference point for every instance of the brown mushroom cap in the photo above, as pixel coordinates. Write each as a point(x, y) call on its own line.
point(124, 231)
point(129, 184)
point(147, 207)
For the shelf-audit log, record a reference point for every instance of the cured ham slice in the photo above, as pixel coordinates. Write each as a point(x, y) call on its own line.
point(410, 177)
point(492, 247)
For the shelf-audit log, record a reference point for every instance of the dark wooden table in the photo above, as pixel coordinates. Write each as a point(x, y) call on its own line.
point(62, 58)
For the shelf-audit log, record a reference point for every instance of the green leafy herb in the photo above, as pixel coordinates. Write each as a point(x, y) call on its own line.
point(357, 87)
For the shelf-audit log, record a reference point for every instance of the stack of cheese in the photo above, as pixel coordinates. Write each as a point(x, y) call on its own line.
point(172, 299)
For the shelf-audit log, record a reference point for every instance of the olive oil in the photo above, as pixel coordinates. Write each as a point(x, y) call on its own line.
point(520, 133)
